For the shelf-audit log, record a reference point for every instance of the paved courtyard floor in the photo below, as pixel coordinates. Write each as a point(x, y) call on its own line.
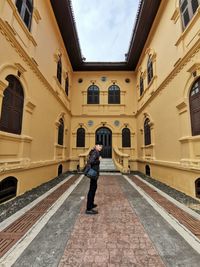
point(128, 231)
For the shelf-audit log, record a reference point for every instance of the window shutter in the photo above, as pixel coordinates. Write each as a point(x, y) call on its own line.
point(113, 94)
point(59, 71)
point(61, 132)
point(12, 107)
point(80, 137)
point(147, 133)
point(67, 86)
point(126, 138)
point(195, 108)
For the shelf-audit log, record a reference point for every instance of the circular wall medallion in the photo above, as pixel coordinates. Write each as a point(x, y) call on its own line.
point(90, 123)
point(116, 123)
point(127, 80)
point(80, 80)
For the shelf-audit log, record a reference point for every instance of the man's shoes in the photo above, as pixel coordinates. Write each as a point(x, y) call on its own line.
point(91, 212)
point(94, 206)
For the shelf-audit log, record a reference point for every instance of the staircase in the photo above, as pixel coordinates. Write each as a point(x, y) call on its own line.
point(107, 165)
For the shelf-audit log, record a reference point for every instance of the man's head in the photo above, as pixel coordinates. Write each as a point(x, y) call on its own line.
point(98, 146)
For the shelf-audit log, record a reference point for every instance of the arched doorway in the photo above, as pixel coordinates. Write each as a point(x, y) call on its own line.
point(147, 170)
point(197, 187)
point(60, 169)
point(8, 188)
point(104, 135)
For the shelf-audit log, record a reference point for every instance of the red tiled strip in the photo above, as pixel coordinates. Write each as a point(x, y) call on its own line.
point(191, 223)
point(16, 230)
point(114, 237)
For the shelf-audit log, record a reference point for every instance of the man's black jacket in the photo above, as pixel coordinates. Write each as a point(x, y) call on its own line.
point(93, 160)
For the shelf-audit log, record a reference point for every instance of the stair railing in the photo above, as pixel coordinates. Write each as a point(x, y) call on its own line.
point(121, 160)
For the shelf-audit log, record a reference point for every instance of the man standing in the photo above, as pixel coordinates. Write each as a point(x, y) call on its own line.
point(94, 162)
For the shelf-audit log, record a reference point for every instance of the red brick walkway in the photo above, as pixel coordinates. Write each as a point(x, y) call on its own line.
point(191, 223)
point(114, 237)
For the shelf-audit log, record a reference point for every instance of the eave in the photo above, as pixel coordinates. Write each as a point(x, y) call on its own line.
point(66, 23)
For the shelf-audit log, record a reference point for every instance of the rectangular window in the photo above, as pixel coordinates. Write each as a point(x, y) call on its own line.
point(188, 9)
point(25, 9)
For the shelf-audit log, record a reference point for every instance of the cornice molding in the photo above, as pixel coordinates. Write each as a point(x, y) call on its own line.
point(169, 164)
point(117, 117)
point(15, 137)
point(27, 165)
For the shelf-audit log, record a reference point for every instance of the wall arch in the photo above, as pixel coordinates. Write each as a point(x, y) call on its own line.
point(6, 70)
point(8, 188)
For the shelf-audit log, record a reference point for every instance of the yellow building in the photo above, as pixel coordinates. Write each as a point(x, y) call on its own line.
point(54, 105)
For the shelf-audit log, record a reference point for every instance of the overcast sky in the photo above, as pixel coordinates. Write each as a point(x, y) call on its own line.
point(105, 27)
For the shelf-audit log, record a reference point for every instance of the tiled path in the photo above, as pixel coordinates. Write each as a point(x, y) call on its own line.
point(16, 230)
point(191, 223)
point(114, 237)
point(128, 231)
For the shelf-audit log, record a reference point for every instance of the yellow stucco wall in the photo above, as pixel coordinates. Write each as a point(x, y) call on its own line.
point(34, 156)
point(103, 114)
point(174, 154)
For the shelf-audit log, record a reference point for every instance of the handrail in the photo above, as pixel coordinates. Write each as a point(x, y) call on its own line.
point(121, 160)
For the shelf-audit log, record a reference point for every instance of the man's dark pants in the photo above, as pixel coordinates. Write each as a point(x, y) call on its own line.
point(92, 191)
point(91, 194)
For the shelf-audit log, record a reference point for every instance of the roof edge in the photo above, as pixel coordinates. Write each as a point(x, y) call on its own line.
point(66, 22)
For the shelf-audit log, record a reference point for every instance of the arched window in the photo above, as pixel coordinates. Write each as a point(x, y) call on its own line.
point(147, 132)
point(59, 70)
point(141, 85)
point(8, 188)
point(80, 137)
point(188, 8)
point(126, 138)
point(61, 132)
point(149, 69)
point(197, 187)
point(195, 107)
point(67, 85)
point(93, 94)
point(25, 9)
point(114, 94)
point(12, 107)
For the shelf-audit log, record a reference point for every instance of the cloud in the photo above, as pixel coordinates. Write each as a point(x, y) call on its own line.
point(105, 27)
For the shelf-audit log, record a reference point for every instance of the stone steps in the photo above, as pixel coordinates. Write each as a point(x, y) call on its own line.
point(107, 165)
